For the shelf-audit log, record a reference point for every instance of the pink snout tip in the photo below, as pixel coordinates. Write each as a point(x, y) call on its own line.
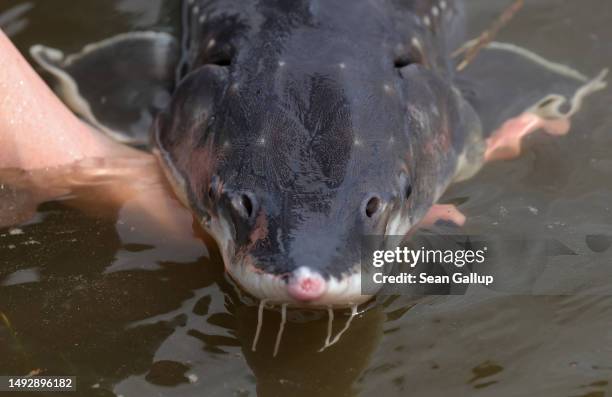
point(306, 286)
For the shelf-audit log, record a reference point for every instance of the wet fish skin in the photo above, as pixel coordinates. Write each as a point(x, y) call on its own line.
point(310, 110)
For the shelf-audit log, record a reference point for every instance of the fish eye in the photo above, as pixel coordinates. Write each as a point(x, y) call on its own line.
point(413, 55)
point(401, 61)
point(372, 206)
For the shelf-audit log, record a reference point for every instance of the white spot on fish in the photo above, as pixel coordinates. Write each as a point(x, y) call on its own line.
point(387, 88)
point(281, 63)
point(196, 10)
point(211, 43)
point(261, 141)
point(426, 21)
point(443, 5)
point(202, 19)
point(434, 110)
point(434, 11)
point(342, 65)
point(357, 142)
point(416, 43)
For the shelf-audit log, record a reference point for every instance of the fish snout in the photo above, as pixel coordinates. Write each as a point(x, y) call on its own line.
point(305, 285)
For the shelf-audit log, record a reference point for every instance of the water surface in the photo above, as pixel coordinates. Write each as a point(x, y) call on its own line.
point(101, 293)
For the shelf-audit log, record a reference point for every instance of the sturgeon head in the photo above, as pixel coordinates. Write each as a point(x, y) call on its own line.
point(300, 128)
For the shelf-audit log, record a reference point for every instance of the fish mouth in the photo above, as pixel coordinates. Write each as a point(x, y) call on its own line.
point(304, 288)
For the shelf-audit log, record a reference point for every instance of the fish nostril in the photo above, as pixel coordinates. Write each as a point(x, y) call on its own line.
point(408, 191)
point(244, 204)
point(405, 185)
point(372, 206)
point(247, 204)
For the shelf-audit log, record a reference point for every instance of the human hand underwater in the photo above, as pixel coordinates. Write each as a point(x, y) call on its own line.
point(46, 151)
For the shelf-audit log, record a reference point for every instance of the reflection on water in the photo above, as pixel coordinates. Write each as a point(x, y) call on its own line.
point(101, 292)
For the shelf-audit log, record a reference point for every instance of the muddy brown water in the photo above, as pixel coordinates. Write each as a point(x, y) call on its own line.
point(98, 293)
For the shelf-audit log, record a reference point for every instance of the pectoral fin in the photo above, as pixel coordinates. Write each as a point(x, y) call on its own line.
point(118, 84)
point(516, 92)
point(506, 80)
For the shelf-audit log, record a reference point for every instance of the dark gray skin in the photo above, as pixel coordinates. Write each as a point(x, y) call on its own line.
point(302, 125)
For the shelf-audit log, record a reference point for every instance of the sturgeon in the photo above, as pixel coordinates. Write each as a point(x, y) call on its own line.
point(292, 128)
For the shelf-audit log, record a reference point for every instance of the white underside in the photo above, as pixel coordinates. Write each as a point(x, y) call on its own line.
point(343, 292)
